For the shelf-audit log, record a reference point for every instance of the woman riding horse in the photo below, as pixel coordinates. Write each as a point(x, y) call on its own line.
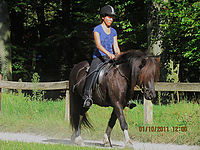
point(105, 42)
point(131, 68)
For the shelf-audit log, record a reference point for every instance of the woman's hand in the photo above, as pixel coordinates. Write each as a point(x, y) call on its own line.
point(111, 56)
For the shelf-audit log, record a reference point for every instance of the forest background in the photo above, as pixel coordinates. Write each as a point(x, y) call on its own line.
point(50, 36)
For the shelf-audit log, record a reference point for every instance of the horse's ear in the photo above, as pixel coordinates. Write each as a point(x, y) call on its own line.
point(143, 63)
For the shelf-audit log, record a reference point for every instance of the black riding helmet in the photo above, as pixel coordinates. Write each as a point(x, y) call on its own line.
point(107, 10)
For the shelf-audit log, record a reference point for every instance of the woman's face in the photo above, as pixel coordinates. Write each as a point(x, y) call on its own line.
point(108, 20)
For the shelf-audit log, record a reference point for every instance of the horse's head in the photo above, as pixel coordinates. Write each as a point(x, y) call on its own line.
point(144, 70)
point(148, 75)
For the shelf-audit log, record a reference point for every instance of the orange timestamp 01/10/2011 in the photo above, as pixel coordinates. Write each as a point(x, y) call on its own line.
point(162, 129)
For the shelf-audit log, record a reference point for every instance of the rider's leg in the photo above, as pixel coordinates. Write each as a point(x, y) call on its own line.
point(89, 81)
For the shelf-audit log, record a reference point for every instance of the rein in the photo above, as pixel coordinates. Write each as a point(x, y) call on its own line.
point(122, 74)
point(143, 89)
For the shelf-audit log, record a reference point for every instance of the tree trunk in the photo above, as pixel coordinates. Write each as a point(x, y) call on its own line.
point(40, 29)
point(5, 49)
point(155, 20)
point(66, 13)
point(154, 31)
point(41, 20)
point(153, 28)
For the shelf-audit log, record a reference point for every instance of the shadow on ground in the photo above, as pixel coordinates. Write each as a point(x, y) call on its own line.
point(87, 143)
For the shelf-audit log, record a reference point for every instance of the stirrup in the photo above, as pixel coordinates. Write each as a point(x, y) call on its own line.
point(88, 102)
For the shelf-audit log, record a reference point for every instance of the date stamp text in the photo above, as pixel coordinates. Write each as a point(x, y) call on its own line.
point(162, 129)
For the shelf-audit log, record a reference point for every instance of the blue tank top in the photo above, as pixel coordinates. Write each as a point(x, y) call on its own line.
point(106, 41)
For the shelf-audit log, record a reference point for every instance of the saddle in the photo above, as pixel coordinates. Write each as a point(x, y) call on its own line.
point(102, 71)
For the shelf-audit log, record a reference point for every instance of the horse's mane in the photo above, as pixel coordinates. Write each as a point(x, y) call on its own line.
point(144, 65)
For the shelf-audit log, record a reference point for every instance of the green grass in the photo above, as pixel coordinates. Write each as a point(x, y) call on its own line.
point(8, 145)
point(20, 114)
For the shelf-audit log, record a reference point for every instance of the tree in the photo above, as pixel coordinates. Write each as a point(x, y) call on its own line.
point(155, 21)
point(5, 50)
point(181, 37)
point(59, 33)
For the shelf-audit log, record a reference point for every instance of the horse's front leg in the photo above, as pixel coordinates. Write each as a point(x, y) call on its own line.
point(118, 108)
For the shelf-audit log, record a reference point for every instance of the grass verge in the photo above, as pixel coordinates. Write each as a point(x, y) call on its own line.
point(7, 145)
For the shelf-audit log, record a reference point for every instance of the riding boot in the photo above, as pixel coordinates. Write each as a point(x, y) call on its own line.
point(87, 96)
point(88, 99)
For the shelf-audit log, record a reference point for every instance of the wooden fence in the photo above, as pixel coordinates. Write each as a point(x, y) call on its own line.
point(148, 106)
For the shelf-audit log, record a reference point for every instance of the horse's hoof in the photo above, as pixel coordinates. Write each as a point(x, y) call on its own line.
point(73, 137)
point(129, 144)
point(79, 141)
point(107, 144)
point(106, 141)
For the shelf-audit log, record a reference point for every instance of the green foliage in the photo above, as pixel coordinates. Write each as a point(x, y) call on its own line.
point(49, 37)
point(37, 94)
point(131, 22)
point(181, 37)
point(54, 35)
point(20, 63)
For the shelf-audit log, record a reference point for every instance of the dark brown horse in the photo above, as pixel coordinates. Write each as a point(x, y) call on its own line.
point(131, 68)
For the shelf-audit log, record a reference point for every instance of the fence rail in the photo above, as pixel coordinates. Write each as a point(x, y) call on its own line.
point(148, 106)
point(32, 86)
point(159, 86)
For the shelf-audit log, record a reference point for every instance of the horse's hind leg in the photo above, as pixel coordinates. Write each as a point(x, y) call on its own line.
point(124, 127)
point(107, 134)
point(76, 118)
point(76, 136)
point(106, 137)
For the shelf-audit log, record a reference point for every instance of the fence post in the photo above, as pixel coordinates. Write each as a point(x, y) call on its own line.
point(67, 106)
point(0, 97)
point(148, 111)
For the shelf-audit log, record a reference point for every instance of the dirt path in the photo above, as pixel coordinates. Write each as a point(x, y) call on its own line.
point(25, 137)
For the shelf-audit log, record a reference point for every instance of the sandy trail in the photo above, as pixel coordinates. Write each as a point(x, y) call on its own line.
point(25, 137)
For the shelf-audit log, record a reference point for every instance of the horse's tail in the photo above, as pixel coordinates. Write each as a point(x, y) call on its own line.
point(85, 121)
point(76, 102)
point(71, 112)
point(74, 115)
